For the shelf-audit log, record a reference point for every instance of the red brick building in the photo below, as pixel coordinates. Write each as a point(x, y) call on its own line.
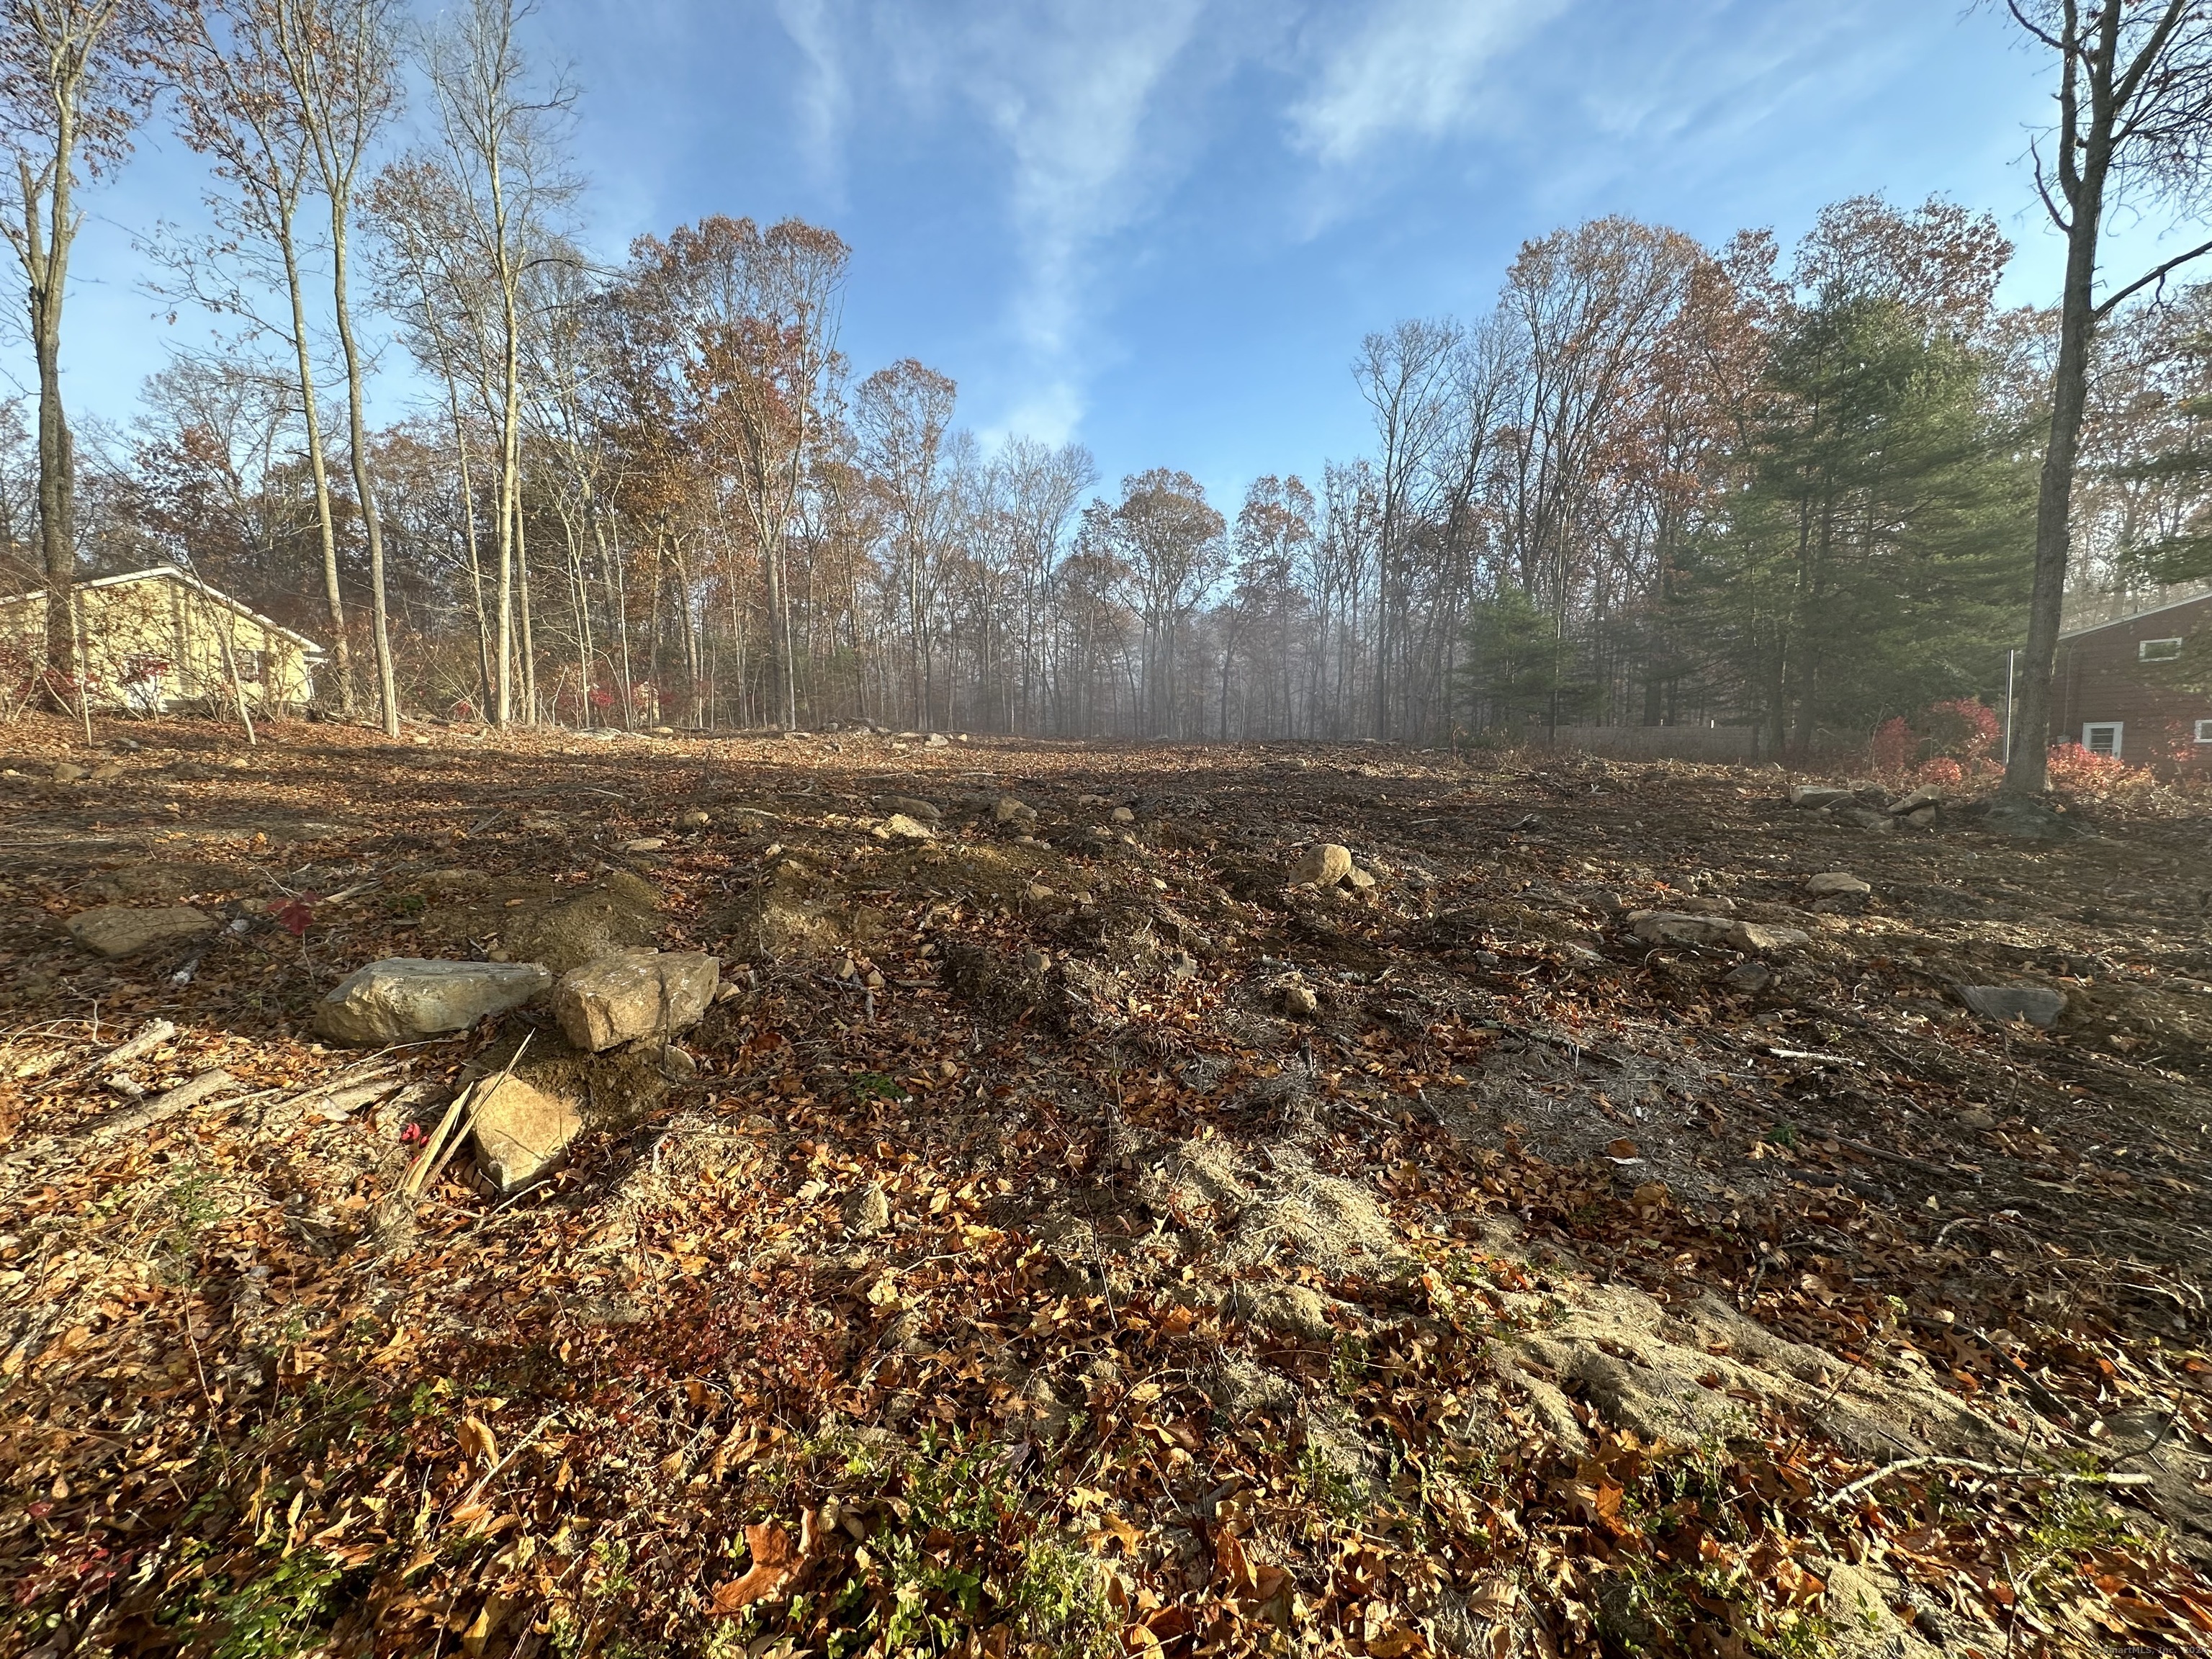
point(2112, 695)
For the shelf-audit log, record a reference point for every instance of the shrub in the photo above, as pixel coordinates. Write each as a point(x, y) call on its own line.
point(1942, 773)
point(1963, 730)
point(2074, 768)
point(1891, 752)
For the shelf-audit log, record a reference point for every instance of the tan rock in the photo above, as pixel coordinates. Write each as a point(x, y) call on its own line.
point(1835, 884)
point(521, 1132)
point(1007, 810)
point(920, 811)
point(1299, 1002)
point(621, 998)
point(900, 827)
point(1123, 815)
point(1678, 927)
point(1762, 937)
point(1323, 864)
point(67, 771)
point(120, 930)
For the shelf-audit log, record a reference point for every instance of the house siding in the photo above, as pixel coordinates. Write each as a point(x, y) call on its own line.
point(2100, 677)
point(127, 627)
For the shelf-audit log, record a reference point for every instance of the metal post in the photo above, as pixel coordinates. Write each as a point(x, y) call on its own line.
point(2009, 657)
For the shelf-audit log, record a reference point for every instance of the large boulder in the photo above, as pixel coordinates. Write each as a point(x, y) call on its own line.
point(1323, 864)
point(1836, 883)
point(407, 997)
point(621, 998)
point(122, 930)
point(1818, 794)
point(521, 1132)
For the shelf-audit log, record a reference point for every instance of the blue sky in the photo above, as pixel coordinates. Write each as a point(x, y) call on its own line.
point(1160, 227)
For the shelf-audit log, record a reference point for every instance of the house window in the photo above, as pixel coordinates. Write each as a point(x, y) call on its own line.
point(249, 666)
point(2204, 731)
point(2102, 738)
point(2158, 650)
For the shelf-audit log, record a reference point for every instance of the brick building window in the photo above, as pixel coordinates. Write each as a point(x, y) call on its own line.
point(2157, 650)
point(2102, 737)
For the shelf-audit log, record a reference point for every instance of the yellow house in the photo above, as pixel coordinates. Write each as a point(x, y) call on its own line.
point(160, 636)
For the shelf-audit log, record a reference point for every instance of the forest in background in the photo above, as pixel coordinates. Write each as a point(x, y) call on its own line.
point(1658, 484)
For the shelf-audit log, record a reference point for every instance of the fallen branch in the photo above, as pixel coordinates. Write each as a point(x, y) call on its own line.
point(205, 1086)
point(151, 1035)
point(2099, 1478)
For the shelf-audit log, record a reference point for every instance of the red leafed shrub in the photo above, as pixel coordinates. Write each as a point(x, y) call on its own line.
point(1942, 773)
point(2074, 768)
point(1963, 730)
point(1891, 752)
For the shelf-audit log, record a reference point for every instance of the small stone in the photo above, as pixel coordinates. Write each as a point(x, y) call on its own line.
point(2039, 1005)
point(1007, 810)
point(120, 930)
point(1323, 864)
point(106, 771)
point(1765, 936)
point(1831, 884)
point(404, 997)
point(644, 844)
point(938, 740)
point(1906, 805)
point(1975, 1118)
point(1181, 964)
point(664, 730)
point(1874, 823)
point(1036, 961)
point(794, 737)
point(1299, 1002)
point(67, 772)
point(1922, 817)
point(1037, 892)
point(900, 827)
point(694, 819)
point(866, 1210)
point(1123, 815)
point(621, 998)
point(1748, 979)
point(521, 1132)
point(920, 812)
point(1359, 878)
point(1678, 927)
point(676, 1064)
point(1817, 795)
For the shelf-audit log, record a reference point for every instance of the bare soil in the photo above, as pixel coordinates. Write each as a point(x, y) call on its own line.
point(1007, 1264)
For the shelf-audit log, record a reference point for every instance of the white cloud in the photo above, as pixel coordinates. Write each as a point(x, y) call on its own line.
point(822, 98)
point(1073, 94)
point(1414, 68)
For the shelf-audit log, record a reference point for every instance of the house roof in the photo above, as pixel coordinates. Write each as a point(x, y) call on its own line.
point(171, 573)
point(2125, 622)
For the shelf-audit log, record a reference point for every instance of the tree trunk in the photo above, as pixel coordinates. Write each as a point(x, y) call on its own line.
point(319, 468)
point(387, 687)
point(2027, 768)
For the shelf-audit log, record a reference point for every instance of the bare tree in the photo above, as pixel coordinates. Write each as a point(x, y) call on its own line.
point(238, 107)
point(341, 60)
point(73, 83)
point(2134, 120)
point(502, 128)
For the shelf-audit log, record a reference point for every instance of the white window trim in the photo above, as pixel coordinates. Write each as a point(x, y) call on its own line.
point(2144, 653)
point(2117, 728)
point(2204, 731)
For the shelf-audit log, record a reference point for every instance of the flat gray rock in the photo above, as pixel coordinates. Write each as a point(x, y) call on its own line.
point(2039, 1005)
point(123, 930)
point(405, 997)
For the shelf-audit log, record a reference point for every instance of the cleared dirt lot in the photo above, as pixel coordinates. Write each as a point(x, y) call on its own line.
point(1068, 1231)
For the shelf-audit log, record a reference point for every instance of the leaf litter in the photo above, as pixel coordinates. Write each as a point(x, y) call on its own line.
point(1006, 1264)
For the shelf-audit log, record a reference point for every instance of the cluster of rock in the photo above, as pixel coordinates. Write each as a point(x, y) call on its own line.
point(1869, 805)
point(1324, 864)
